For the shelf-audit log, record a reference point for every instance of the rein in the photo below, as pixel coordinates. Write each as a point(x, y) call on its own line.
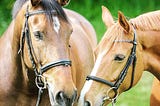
point(115, 86)
point(40, 80)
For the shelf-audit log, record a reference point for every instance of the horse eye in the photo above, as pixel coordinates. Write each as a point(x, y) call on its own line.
point(119, 57)
point(38, 35)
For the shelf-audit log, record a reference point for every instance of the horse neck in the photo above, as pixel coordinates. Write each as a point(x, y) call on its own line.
point(150, 43)
point(10, 64)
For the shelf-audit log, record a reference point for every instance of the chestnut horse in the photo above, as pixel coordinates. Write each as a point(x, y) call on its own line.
point(126, 50)
point(155, 94)
point(44, 47)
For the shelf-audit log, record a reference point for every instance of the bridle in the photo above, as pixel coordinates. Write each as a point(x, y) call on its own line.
point(115, 86)
point(40, 80)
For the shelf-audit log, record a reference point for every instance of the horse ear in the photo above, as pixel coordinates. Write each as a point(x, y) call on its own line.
point(35, 2)
point(63, 2)
point(107, 17)
point(123, 21)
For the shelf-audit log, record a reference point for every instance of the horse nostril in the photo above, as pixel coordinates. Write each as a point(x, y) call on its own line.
point(87, 103)
point(60, 98)
point(74, 96)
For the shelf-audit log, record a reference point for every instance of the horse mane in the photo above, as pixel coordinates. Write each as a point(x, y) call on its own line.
point(147, 21)
point(47, 5)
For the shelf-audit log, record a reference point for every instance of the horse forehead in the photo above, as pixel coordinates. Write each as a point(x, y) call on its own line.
point(42, 22)
point(115, 30)
point(38, 20)
point(105, 46)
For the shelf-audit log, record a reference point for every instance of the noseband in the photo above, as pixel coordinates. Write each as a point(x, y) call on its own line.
point(39, 78)
point(131, 61)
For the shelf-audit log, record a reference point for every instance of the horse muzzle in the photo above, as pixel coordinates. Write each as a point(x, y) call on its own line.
point(61, 98)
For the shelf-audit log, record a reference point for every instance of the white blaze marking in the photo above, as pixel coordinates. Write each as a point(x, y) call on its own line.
point(56, 23)
point(88, 84)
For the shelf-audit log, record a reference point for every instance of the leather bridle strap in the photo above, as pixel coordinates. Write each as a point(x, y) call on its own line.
point(121, 77)
point(55, 64)
point(40, 12)
point(94, 78)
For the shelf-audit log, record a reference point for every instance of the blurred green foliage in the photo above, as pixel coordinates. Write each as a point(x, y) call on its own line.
point(91, 9)
point(5, 14)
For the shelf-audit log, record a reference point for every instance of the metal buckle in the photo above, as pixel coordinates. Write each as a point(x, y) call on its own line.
point(41, 82)
point(113, 100)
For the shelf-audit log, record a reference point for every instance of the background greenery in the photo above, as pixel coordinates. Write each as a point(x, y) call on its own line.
point(91, 9)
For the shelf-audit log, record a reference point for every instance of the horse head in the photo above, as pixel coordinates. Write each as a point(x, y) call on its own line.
point(44, 33)
point(115, 67)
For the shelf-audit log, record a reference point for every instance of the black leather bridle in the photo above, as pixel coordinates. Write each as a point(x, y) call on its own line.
point(39, 78)
point(131, 61)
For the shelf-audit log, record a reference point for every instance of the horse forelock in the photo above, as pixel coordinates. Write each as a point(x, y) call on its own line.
point(147, 21)
point(47, 5)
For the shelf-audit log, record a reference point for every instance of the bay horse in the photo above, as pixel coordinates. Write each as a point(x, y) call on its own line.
point(44, 48)
point(126, 50)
